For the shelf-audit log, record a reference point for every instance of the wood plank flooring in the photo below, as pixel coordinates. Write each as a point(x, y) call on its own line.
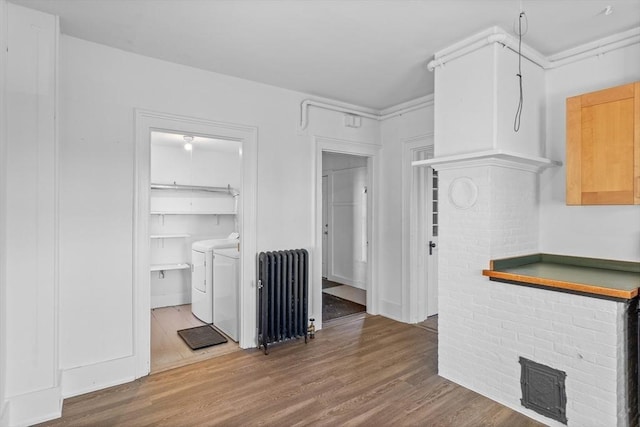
point(168, 350)
point(371, 371)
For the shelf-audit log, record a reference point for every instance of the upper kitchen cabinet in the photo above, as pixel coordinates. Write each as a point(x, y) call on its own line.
point(603, 147)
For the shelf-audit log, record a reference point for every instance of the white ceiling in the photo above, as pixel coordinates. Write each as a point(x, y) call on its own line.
point(370, 53)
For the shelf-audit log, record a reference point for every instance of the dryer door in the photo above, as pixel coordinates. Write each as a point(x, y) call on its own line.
point(198, 272)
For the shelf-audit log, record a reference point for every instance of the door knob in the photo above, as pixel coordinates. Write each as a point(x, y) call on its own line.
point(431, 246)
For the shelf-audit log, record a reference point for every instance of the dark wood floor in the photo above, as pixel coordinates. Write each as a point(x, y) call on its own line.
point(370, 371)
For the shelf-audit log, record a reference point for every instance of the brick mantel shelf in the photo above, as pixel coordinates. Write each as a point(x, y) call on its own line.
point(495, 157)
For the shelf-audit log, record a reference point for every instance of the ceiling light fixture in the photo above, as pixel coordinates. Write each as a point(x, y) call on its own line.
point(188, 142)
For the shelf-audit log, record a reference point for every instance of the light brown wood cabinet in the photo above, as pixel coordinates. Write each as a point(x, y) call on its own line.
point(603, 147)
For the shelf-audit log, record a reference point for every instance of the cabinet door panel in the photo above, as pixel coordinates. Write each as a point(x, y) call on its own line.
point(603, 147)
point(607, 149)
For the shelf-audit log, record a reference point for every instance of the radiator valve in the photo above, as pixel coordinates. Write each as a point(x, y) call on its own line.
point(312, 329)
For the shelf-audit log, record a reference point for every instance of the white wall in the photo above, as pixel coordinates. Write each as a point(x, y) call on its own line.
point(100, 87)
point(29, 210)
point(396, 132)
point(611, 232)
point(477, 99)
point(204, 167)
point(336, 162)
point(3, 203)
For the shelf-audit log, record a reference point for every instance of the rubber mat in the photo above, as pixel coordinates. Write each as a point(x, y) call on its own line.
point(201, 337)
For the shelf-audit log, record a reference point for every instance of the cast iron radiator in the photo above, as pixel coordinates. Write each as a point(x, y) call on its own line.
point(282, 296)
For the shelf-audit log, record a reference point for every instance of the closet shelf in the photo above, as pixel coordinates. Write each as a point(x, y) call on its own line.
point(168, 236)
point(191, 213)
point(178, 187)
point(165, 267)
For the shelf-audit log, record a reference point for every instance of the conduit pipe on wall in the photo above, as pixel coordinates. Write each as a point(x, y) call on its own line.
point(304, 111)
point(497, 35)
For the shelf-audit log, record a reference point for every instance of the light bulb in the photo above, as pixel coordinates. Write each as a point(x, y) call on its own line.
point(188, 146)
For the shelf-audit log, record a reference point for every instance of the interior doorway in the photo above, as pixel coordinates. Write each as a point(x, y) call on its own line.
point(344, 235)
point(371, 153)
point(193, 231)
point(420, 233)
point(245, 137)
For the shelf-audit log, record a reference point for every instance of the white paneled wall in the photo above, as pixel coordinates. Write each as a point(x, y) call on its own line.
point(30, 267)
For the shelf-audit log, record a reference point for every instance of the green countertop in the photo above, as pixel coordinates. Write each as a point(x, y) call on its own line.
point(590, 276)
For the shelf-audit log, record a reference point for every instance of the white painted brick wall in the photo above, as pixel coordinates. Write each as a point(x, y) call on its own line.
point(484, 326)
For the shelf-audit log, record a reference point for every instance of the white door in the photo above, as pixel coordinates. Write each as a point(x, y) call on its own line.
point(423, 236)
point(325, 225)
point(348, 227)
point(432, 241)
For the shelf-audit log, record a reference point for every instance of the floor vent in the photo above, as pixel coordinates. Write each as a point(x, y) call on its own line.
point(543, 390)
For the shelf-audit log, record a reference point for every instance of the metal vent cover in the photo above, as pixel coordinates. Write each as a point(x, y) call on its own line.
point(543, 390)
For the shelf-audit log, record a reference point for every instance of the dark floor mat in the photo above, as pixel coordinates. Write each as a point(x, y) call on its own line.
point(334, 307)
point(201, 337)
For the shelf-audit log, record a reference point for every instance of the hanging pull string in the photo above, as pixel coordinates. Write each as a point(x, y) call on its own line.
point(516, 121)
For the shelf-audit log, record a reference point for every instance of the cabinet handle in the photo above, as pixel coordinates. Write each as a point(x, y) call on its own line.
point(637, 186)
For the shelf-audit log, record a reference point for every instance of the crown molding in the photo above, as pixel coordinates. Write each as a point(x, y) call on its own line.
point(498, 35)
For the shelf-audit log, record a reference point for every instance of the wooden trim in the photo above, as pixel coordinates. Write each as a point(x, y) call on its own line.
point(574, 151)
point(636, 143)
point(578, 287)
point(608, 95)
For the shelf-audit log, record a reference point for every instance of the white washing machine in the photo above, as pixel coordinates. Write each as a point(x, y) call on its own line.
point(226, 275)
point(202, 274)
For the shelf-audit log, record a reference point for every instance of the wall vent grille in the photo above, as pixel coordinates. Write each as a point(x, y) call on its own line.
point(543, 390)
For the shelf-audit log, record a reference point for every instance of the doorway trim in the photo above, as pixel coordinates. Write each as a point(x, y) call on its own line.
point(371, 152)
point(145, 122)
point(413, 245)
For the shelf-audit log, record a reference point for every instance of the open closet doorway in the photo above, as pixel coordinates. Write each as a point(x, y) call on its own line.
point(194, 256)
point(344, 235)
point(176, 220)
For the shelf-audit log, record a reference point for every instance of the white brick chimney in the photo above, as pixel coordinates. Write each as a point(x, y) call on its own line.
point(489, 209)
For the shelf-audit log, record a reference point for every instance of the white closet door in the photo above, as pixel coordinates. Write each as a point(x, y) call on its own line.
point(348, 211)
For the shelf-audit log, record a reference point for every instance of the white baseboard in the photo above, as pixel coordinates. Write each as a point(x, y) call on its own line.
point(32, 408)
point(170, 300)
point(94, 377)
point(390, 309)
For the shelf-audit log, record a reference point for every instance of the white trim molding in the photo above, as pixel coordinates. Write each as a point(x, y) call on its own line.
point(490, 158)
point(372, 152)
point(381, 115)
point(498, 35)
point(145, 122)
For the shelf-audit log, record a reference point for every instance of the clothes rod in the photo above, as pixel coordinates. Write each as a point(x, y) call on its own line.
point(179, 187)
